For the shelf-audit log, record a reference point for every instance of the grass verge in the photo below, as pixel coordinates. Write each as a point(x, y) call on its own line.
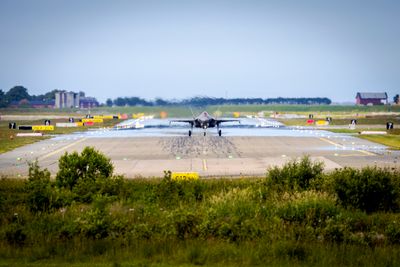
point(10, 141)
point(390, 140)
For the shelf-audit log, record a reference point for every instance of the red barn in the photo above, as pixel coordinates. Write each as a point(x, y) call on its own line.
point(371, 98)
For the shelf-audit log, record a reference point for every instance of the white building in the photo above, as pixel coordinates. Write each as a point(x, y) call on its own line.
point(66, 99)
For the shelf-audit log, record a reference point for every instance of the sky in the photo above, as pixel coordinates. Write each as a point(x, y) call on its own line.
point(179, 49)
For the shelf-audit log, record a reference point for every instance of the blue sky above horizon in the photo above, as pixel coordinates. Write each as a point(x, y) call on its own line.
point(178, 49)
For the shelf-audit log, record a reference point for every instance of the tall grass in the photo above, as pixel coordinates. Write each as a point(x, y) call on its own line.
point(215, 222)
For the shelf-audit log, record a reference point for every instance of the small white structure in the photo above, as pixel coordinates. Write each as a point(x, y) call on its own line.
point(66, 99)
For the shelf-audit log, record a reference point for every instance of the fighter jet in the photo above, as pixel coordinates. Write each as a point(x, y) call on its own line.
point(204, 121)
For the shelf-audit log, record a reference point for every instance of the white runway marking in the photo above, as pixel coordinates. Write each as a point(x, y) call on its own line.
point(62, 148)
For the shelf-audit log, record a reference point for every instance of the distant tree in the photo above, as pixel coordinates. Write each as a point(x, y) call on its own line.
point(202, 101)
point(131, 101)
point(396, 99)
point(119, 101)
point(37, 97)
point(17, 93)
point(3, 99)
point(50, 95)
point(46, 97)
point(160, 102)
point(109, 102)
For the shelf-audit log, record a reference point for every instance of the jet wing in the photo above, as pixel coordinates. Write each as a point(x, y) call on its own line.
point(221, 121)
point(191, 122)
point(218, 122)
point(188, 121)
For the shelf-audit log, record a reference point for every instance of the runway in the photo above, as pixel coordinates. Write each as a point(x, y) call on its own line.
point(241, 152)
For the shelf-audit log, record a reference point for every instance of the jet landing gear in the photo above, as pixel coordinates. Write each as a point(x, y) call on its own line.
point(191, 129)
point(205, 133)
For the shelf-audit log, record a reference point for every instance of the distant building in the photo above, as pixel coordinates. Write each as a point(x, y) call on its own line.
point(42, 104)
point(32, 104)
point(371, 98)
point(88, 102)
point(66, 99)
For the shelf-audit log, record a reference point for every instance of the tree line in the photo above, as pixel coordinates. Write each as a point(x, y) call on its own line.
point(207, 101)
point(18, 93)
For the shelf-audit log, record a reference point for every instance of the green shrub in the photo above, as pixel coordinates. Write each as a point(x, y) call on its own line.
point(10, 191)
point(15, 235)
point(393, 232)
point(335, 231)
point(370, 189)
point(186, 224)
point(196, 254)
point(40, 195)
point(86, 189)
point(296, 174)
point(310, 207)
point(291, 250)
point(89, 165)
point(230, 215)
point(169, 192)
point(68, 230)
point(96, 222)
point(62, 197)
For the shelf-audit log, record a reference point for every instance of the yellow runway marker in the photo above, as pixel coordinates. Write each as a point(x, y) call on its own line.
point(61, 149)
point(204, 165)
point(184, 176)
point(342, 146)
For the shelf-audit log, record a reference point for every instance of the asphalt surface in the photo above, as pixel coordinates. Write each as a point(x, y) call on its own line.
point(241, 152)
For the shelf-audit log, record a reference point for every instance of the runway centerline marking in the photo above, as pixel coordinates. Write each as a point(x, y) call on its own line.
point(204, 165)
point(62, 148)
point(342, 146)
